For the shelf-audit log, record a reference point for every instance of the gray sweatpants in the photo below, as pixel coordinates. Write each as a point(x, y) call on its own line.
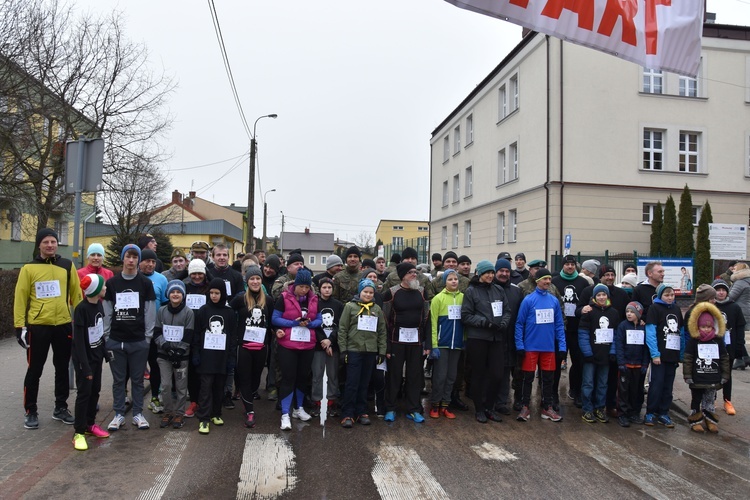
point(176, 405)
point(128, 359)
point(444, 371)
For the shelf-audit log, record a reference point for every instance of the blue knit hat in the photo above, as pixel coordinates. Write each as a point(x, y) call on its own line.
point(484, 266)
point(364, 284)
point(502, 264)
point(600, 288)
point(447, 273)
point(660, 290)
point(95, 248)
point(303, 278)
point(130, 246)
point(176, 285)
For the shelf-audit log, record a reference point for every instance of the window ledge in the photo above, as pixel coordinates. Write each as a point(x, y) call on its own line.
point(506, 183)
point(674, 96)
point(647, 171)
point(506, 117)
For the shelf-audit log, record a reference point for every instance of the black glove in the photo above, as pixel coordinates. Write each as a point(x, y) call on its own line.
point(108, 356)
point(180, 352)
point(171, 354)
point(343, 357)
point(561, 355)
point(196, 359)
point(168, 346)
point(21, 334)
point(612, 358)
point(521, 354)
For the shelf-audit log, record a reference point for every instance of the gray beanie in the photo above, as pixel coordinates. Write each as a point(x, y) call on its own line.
point(591, 265)
point(333, 260)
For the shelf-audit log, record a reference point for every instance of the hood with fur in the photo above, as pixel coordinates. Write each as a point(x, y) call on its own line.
point(701, 307)
point(741, 274)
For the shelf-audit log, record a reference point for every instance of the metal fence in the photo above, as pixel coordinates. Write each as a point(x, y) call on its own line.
point(421, 245)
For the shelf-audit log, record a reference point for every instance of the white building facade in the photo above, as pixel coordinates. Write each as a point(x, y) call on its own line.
point(560, 139)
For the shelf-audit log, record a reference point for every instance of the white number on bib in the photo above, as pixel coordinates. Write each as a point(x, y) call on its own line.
point(172, 333)
point(544, 316)
point(195, 300)
point(454, 312)
point(215, 341)
point(708, 351)
point(635, 337)
point(126, 300)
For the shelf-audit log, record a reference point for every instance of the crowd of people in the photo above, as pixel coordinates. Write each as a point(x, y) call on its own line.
point(204, 331)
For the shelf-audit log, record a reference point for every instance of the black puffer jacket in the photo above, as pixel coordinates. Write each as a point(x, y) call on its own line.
point(477, 313)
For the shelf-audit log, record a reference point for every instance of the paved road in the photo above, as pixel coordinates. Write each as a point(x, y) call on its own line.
point(439, 459)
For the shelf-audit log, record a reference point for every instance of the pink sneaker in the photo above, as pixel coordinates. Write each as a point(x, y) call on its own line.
point(97, 431)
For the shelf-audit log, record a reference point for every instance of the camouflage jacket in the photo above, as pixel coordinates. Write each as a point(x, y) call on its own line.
point(393, 280)
point(345, 285)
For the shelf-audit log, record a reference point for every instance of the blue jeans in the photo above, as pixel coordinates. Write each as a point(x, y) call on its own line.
point(594, 386)
point(359, 368)
point(660, 388)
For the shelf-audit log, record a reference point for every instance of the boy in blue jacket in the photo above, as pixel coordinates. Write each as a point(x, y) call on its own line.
point(632, 362)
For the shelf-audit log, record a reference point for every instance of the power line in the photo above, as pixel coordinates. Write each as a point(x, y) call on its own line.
point(209, 164)
point(211, 184)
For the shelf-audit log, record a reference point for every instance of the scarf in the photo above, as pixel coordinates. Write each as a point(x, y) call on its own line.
point(569, 277)
point(364, 306)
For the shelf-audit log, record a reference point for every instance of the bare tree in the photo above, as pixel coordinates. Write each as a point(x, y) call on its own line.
point(364, 241)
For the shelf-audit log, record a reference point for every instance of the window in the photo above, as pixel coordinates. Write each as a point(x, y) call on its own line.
point(61, 228)
point(446, 149)
point(467, 233)
point(688, 86)
point(324, 260)
point(502, 110)
point(513, 161)
point(689, 152)
point(456, 188)
point(652, 81)
point(398, 228)
point(454, 236)
point(398, 241)
point(469, 181)
point(423, 228)
point(697, 215)
point(653, 149)
point(501, 227)
point(469, 129)
point(444, 238)
point(512, 225)
point(648, 213)
point(502, 174)
point(445, 193)
point(457, 139)
point(514, 91)
point(312, 260)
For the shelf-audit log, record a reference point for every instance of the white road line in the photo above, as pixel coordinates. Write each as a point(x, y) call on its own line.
point(267, 469)
point(400, 473)
point(489, 451)
point(170, 448)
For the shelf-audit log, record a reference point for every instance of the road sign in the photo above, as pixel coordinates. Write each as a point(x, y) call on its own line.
point(93, 158)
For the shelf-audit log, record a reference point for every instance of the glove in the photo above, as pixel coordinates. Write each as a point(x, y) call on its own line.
point(21, 337)
point(724, 381)
point(434, 353)
point(344, 357)
point(171, 354)
point(521, 354)
point(379, 359)
point(561, 355)
point(179, 352)
point(612, 358)
point(196, 359)
point(169, 346)
point(689, 381)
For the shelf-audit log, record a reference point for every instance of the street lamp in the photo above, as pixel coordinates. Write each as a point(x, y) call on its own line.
point(251, 186)
point(265, 219)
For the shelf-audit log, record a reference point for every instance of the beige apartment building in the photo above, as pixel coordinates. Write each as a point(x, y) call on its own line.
point(560, 139)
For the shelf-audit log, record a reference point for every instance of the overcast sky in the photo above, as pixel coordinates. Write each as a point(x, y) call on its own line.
point(358, 87)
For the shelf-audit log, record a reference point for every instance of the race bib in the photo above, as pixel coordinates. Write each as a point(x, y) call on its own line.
point(328, 332)
point(254, 334)
point(195, 300)
point(544, 316)
point(570, 309)
point(497, 308)
point(604, 335)
point(228, 285)
point(367, 323)
point(172, 333)
point(382, 366)
point(708, 351)
point(126, 300)
point(634, 337)
point(408, 335)
point(47, 289)
point(454, 312)
point(728, 337)
point(215, 341)
point(673, 342)
point(96, 333)
point(300, 334)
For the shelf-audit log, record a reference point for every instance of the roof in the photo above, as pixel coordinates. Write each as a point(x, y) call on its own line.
point(216, 227)
point(311, 242)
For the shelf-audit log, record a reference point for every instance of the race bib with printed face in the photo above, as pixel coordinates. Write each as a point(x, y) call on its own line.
point(300, 334)
point(708, 351)
point(126, 300)
point(96, 333)
point(673, 342)
point(47, 289)
point(173, 333)
point(328, 331)
point(604, 335)
point(367, 323)
point(454, 312)
point(408, 335)
point(544, 316)
point(215, 341)
point(635, 337)
point(570, 309)
point(254, 334)
point(195, 300)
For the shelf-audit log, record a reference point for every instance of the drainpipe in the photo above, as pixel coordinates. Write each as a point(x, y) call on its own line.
point(546, 184)
point(562, 145)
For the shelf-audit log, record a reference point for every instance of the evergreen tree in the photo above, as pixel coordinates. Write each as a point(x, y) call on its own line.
point(656, 225)
point(703, 271)
point(164, 247)
point(685, 245)
point(112, 259)
point(669, 229)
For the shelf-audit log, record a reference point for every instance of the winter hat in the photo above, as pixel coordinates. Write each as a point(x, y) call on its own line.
point(92, 284)
point(600, 288)
point(197, 266)
point(464, 259)
point(450, 254)
point(130, 246)
point(502, 263)
point(569, 258)
point(423, 268)
point(200, 245)
point(176, 285)
point(606, 268)
point(720, 283)
point(447, 273)
point(660, 290)
point(145, 240)
point(353, 250)
point(303, 277)
point(437, 256)
point(504, 255)
point(368, 263)
point(323, 281)
point(252, 271)
point(273, 262)
point(537, 263)
point(95, 248)
point(177, 252)
point(705, 293)
point(484, 266)
point(43, 233)
point(542, 273)
point(148, 254)
point(404, 268)
point(409, 253)
point(521, 255)
point(364, 284)
point(590, 265)
point(706, 319)
point(636, 307)
point(631, 279)
point(396, 258)
point(333, 260)
point(366, 271)
point(295, 257)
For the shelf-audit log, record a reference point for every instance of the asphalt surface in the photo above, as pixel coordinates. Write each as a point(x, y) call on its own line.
point(437, 459)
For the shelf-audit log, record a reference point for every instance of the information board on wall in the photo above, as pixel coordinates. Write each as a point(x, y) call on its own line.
point(678, 273)
point(728, 241)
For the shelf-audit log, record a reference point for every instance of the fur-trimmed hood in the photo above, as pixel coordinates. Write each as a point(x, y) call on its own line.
point(708, 307)
point(741, 274)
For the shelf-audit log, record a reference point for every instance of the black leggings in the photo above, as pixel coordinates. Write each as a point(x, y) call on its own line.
point(487, 359)
point(247, 372)
point(40, 338)
point(87, 396)
point(296, 370)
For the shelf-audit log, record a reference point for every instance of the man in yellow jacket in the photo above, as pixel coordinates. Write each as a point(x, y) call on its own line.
point(47, 288)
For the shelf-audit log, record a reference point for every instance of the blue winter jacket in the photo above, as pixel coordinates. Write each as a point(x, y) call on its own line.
point(446, 333)
point(630, 354)
point(534, 337)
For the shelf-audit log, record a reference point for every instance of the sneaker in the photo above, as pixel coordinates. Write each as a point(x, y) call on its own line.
point(250, 420)
point(155, 406)
point(729, 408)
point(166, 420)
point(236, 396)
point(588, 417)
point(517, 406)
point(31, 421)
point(524, 415)
point(623, 421)
point(333, 409)
point(347, 422)
point(217, 421)
point(493, 415)
point(636, 419)
point(97, 431)
point(665, 421)
point(415, 416)
point(116, 422)
point(203, 427)
point(364, 419)
point(444, 411)
point(177, 422)
point(79, 442)
point(601, 415)
point(435, 412)
point(140, 421)
point(551, 414)
point(63, 415)
point(286, 424)
point(256, 396)
point(390, 416)
point(228, 403)
point(481, 417)
point(458, 404)
point(301, 414)
point(650, 419)
point(503, 410)
point(273, 394)
point(190, 412)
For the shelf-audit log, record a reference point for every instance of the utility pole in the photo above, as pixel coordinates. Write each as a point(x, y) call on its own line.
point(251, 187)
point(281, 239)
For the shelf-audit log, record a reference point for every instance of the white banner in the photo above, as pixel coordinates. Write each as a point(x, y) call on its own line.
point(657, 34)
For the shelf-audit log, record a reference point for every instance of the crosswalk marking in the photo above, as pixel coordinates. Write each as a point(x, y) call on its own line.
point(170, 448)
point(400, 473)
point(489, 451)
point(268, 469)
